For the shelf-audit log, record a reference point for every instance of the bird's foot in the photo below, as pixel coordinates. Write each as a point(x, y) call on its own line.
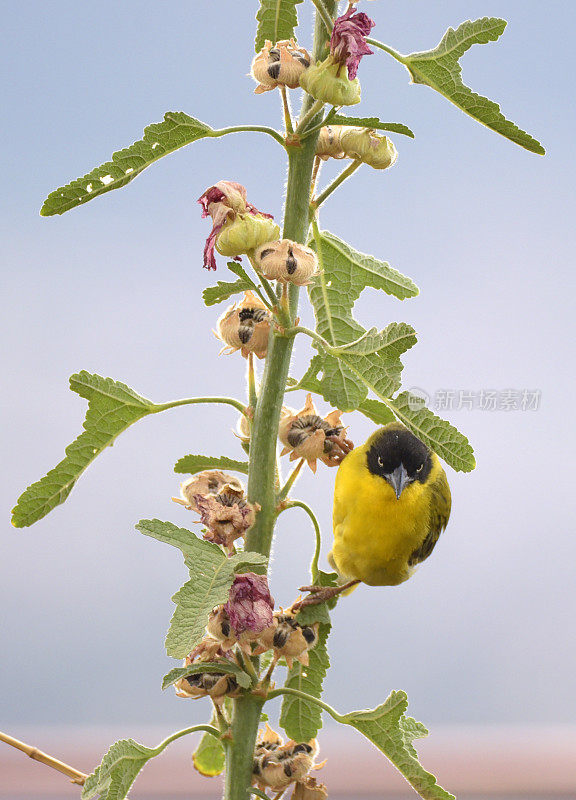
point(320, 594)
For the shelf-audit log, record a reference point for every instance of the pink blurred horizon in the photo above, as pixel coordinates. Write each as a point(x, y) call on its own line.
point(483, 760)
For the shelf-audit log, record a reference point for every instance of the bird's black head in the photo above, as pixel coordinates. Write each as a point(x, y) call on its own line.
point(399, 457)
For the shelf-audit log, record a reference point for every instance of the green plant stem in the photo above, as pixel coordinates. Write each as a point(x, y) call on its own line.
point(229, 401)
point(350, 169)
point(310, 698)
point(252, 396)
point(398, 56)
point(263, 449)
point(314, 571)
point(290, 482)
point(309, 115)
point(240, 128)
point(324, 15)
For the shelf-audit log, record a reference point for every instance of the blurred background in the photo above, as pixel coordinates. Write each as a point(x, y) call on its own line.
point(482, 638)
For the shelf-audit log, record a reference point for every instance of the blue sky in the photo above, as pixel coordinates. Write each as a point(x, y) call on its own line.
point(484, 632)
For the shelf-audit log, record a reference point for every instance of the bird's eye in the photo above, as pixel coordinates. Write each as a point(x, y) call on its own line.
point(420, 468)
point(380, 461)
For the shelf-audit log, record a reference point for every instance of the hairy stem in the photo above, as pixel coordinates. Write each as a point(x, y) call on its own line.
point(263, 448)
point(336, 183)
point(314, 571)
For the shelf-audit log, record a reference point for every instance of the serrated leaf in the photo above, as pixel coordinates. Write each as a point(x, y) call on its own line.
point(440, 69)
point(392, 733)
point(242, 678)
point(160, 139)
point(117, 772)
point(441, 436)
point(112, 407)
point(222, 291)
point(365, 359)
point(211, 576)
point(377, 412)
point(194, 463)
point(370, 122)
point(277, 19)
point(300, 718)
point(209, 758)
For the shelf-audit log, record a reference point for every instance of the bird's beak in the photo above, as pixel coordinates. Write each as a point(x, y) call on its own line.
point(398, 480)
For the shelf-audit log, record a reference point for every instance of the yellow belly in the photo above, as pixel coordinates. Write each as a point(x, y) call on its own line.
point(375, 533)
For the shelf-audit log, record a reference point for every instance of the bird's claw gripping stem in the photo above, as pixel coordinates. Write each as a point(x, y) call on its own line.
point(321, 594)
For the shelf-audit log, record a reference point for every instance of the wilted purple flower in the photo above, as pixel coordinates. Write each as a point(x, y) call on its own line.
point(223, 202)
point(347, 43)
point(250, 605)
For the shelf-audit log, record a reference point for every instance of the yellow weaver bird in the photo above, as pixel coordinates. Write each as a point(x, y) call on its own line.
point(391, 503)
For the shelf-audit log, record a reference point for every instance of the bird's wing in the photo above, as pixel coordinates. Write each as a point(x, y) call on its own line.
point(440, 505)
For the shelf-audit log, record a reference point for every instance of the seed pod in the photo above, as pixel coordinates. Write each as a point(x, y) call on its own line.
point(245, 326)
point(227, 516)
point(286, 261)
point(245, 233)
point(369, 147)
point(305, 434)
point(288, 638)
point(309, 790)
point(210, 481)
point(328, 81)
point(277, 765)
point(328, 144)
point(216, 685)
point(280, 65)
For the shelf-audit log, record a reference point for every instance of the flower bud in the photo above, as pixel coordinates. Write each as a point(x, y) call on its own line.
point(328, 144)
point(210, 481)
point(328, 81)
point(280, 65)
point(245, 326)
point(305, 434)
point(288, 638)
point(245, 233)
point(286, 261)
point(369, 147)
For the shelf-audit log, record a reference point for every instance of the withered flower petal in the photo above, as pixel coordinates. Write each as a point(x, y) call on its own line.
point(250, 605)
point(348, 40)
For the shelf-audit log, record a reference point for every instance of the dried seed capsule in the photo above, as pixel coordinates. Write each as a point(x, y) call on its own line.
point(286, 261)
point(204, 684)
point(310, 789)
point(210, 481)
point(328, 144)
point(369, 147)
point(279, 65)
point(227, 516)
point(305, 434)
point(288, 639)
point(245, 326)
point(277, 765)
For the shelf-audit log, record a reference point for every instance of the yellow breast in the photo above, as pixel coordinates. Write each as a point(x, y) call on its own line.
point(375, 533)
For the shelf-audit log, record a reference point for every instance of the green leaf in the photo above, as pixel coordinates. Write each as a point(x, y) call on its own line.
point(209, 758)
point(112, 407)
point(160, 139)
point(300, 718)
point(242, 678)
point(377, 412)
point(364, 359)
point(192, 464)
point(370, 122)
point(117, 772)
point(222, 291)
point(211, 576)
point(440, 69)
point(441, 436)
point(392, 732)
point(277, 19)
